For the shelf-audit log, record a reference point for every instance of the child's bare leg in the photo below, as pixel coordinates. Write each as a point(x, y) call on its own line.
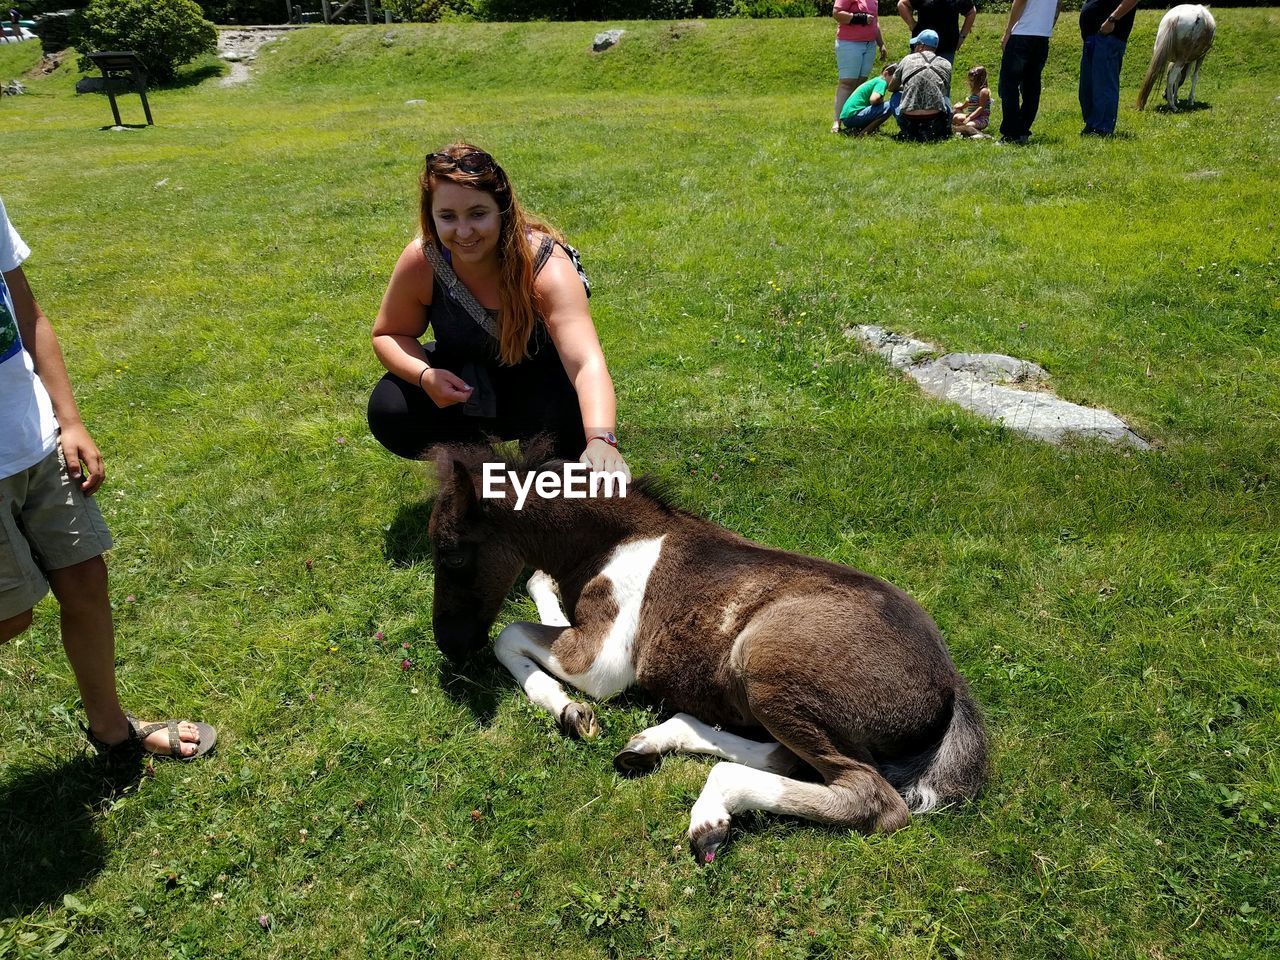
point(88, 636)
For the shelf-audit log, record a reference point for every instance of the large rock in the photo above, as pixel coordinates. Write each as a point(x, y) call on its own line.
point(998, 387)
point(605, 40)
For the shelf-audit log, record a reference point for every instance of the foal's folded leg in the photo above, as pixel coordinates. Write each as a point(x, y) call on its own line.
point(858, 797)
point(525, 650)
point(546, 594)
point(685, 733)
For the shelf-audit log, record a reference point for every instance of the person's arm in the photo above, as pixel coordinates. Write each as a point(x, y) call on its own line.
point(563, 304)
point(908, 16)
point(884, 53)
point(967, 28)
point(896, 83)
point(1015, 14)
point(41, 342)
point(1109, 24)
point(402, 319)
point(841, 15)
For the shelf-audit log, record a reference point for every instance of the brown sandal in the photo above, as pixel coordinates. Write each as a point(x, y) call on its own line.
point(131, 750)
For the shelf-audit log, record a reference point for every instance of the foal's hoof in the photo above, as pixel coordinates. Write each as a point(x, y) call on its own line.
point(637, 758)
point(578, 721)
point(705, 841)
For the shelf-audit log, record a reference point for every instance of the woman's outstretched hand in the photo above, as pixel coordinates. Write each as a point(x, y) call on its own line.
point(603, 457)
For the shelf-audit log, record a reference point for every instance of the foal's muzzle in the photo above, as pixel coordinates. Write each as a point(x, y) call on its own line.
point(459, 636)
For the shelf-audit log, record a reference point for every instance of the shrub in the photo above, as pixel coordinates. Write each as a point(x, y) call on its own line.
point(164, 33)
point(54, 31)
point(246, 11)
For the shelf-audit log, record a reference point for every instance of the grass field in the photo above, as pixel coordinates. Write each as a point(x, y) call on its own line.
point(213, 279)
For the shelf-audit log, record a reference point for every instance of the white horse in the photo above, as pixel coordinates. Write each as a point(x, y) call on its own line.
point(1183, 40)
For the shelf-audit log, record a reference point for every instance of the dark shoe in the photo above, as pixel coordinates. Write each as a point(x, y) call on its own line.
point(131, 748)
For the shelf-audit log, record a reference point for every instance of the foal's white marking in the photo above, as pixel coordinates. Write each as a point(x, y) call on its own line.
point(732, 788)
point(535, 667)
point(545, 594)
point(516, 649)
point(629, 569)
point(684, 733)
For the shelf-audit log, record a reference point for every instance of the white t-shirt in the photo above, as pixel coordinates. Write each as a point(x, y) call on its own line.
point(1037, 19)
point(28, 430)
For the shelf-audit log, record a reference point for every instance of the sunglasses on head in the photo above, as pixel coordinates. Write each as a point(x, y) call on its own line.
point(474, 162)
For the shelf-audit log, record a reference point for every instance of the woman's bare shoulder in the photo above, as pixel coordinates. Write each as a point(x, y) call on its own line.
point(413, 272)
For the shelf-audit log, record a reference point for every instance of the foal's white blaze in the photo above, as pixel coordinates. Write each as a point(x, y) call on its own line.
point(628, 570)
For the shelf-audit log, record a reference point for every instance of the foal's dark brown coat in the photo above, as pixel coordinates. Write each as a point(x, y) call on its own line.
point(847, 672)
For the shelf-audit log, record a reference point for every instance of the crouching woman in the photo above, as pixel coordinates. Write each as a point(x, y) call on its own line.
point(515, 351)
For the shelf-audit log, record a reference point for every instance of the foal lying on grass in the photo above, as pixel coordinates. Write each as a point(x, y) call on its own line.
point(845, 677)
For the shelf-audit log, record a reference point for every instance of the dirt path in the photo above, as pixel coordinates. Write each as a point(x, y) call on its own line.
point(239, 47)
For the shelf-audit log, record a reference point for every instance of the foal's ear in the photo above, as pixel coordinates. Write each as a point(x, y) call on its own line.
point(463, 485)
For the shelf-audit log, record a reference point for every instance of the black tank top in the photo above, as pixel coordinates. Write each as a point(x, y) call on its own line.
point(464, 348)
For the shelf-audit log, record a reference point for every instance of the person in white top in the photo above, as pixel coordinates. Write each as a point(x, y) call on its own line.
point(52, 535)
point(1026, 48)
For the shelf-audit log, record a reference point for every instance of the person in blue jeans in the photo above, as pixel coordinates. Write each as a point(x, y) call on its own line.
point(867, 107)
point(1105, 27)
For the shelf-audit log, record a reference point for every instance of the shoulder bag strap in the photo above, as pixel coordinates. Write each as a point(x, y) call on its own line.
point(458, 290)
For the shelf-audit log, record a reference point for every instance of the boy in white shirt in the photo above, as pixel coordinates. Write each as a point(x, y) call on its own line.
point(51, 532)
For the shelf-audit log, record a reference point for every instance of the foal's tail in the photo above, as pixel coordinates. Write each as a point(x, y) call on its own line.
point(952, 771)
point(1160, 58)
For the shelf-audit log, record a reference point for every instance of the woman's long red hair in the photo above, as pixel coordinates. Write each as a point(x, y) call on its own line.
point(518, 301)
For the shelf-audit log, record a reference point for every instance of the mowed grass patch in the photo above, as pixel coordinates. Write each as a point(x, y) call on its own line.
point(213, 279)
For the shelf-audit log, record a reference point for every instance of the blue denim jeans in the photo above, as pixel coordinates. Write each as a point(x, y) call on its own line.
point(1100, 82)
point(875, 111)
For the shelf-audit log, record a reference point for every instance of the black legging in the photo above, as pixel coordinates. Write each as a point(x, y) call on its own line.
point(530, 402)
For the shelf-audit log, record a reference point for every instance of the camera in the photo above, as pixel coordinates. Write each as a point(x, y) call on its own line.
point(861, 18)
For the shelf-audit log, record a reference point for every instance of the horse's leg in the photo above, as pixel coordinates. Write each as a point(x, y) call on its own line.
point(546, 594)
point(1195, 75)
point(1171, 87)
point(526, 650)
point(685, 733)
point(858, 797)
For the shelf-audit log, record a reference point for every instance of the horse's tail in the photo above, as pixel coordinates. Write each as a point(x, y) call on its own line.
point(1160, 58)
point(950, 772)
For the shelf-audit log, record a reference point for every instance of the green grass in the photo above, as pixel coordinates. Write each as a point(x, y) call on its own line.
point(213, 279)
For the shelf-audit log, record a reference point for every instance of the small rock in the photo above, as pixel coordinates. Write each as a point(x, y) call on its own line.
point(603, 41)
point(14, 88)
point(90, 85)
point(414, 103)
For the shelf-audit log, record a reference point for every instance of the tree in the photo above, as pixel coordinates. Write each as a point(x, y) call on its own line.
point(164, 33)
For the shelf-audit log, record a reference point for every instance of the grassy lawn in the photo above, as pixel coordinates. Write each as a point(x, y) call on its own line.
point(213, 279)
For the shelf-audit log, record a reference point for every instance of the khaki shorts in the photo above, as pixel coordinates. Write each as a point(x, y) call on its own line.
point(46, 523)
